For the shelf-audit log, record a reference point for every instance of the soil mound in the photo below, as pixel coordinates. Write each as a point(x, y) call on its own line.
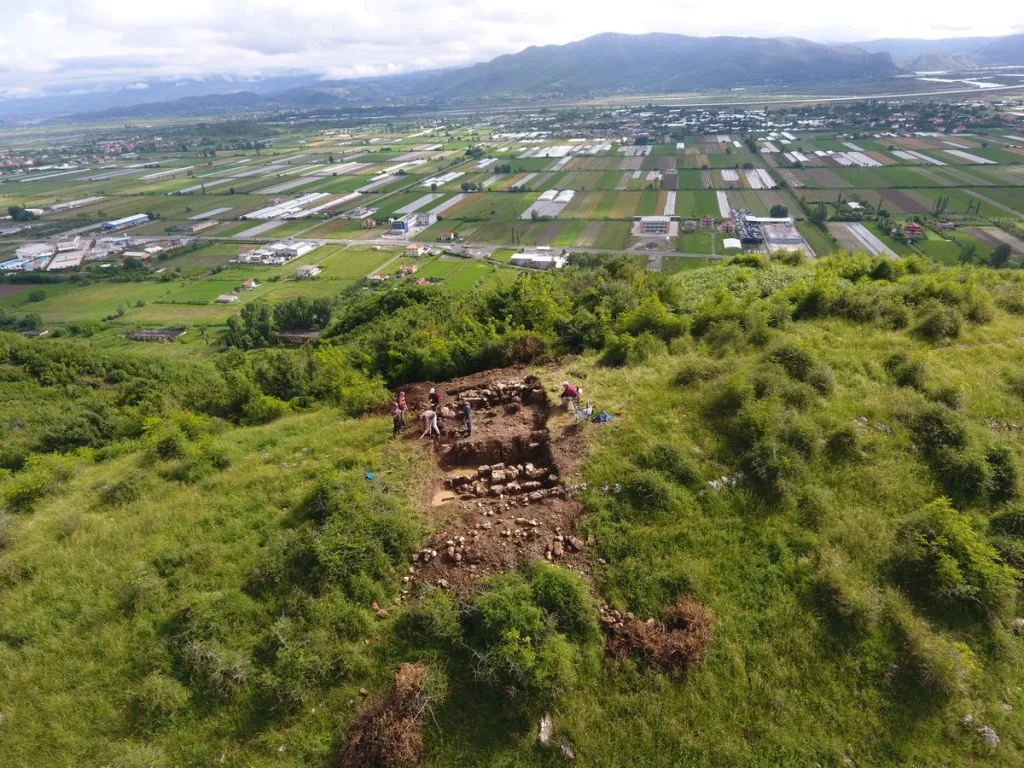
point(674, 644)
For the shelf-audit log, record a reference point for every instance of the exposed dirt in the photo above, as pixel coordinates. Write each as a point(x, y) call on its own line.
point(10, 290)
point(674, 645)
point(501, 497)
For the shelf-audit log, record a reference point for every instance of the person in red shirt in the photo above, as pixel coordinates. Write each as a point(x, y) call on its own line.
point(434, 399)
point(570, 395)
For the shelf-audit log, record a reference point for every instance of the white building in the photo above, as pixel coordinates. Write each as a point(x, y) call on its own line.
point(307, 270)
point(68, 243)
point(538, 260)
point(227, 298)
point(34, 251)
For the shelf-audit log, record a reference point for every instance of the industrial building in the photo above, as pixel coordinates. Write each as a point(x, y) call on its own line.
point(32, 252)
point(277, 254)
point(68, 244)
point(541, 258)
point(128, 221)
point(410, 224)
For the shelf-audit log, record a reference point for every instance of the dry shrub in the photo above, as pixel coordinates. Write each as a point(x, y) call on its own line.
point(385, 732)
point(675, 644)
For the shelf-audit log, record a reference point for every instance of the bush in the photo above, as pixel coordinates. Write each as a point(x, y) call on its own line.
point(1005, 474)
point(125, 491)
point(942, 560)
point(1009, 523)
point(939, 322)
point(906, 371)
point(158, 698)
point(949, 395)
point(801, 366)
point(668, 459)
point(965, 475)
point(263, 409)
point(564, 598)
point(842, 443)
point(41, 476)
point(844, 606)
point(171, 445)
point(647, 493)
point(697, 370)
point(517, 651)
point(938, 429)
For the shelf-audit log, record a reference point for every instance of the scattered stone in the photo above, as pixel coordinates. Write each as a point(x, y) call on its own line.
point(566, 751)
point(363, 692)
point(575, 544)
point(546, 730)
point(443, 584)
point(556, 548)
point(1017, 626)
point(1007, 707)
point(967, 721)
point(988, 736)
point(849, 762)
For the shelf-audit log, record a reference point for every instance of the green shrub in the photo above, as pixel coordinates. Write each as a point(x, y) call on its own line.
point(939, 322)
point(931, 669)
point(517, 650)
point(6, 523)
point(157, 699)
point(906, 371)
point(949, 395)
point(1005, 474)
point(941, 559)
point(801, 366)
point(699, 369)
point(434, 618)
point(647, 492)
point(669, 459)
point(172, 444)
point(843, 604)
point(263, 409)
point(842, 443)
point(564, 597)
point(965, 475)
point(1009, 523)
point(41, 476)
point(938, 429)
point(127, 490)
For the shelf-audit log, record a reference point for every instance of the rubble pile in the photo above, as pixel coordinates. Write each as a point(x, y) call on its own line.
point(519, 484)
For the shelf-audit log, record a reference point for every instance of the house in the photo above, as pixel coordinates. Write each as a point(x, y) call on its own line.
point(250, 285)
point(369, 223)
point(379, 277)
point(164, 334)
point(297, 337)
point(415, 249)
point(727, 226)
point(407, 269)
point(707, 222)
point(421, 281)
point(227, 298)
point(307, 270)
point(731, 243)
point(913, 230)
point(689, 225)
point(447, 237)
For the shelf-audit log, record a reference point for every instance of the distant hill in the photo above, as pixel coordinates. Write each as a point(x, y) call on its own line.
point(980, 50)
point(659, 63)
point(929, 62)
point(602, 64)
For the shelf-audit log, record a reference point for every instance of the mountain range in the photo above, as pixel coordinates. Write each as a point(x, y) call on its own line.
point(604, 64)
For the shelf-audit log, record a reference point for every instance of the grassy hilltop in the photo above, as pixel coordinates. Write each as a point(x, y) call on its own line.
point(194, 566)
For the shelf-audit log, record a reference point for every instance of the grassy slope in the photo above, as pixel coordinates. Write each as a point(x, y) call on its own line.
point(779, 687)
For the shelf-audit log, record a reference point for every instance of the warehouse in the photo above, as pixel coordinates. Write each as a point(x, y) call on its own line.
point(128, 221)
point(537, 260)
point(31, 252)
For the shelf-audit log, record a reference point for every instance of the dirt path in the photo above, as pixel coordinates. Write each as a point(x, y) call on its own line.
point(501, 497)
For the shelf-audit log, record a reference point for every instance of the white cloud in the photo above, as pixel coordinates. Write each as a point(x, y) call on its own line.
point(75, 44)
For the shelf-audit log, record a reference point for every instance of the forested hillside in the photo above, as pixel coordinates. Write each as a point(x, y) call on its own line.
point(810, 484)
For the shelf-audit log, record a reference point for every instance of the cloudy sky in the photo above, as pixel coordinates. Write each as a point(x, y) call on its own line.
point(84, 45)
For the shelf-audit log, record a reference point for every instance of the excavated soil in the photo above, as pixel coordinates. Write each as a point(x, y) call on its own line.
point(503, 496)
